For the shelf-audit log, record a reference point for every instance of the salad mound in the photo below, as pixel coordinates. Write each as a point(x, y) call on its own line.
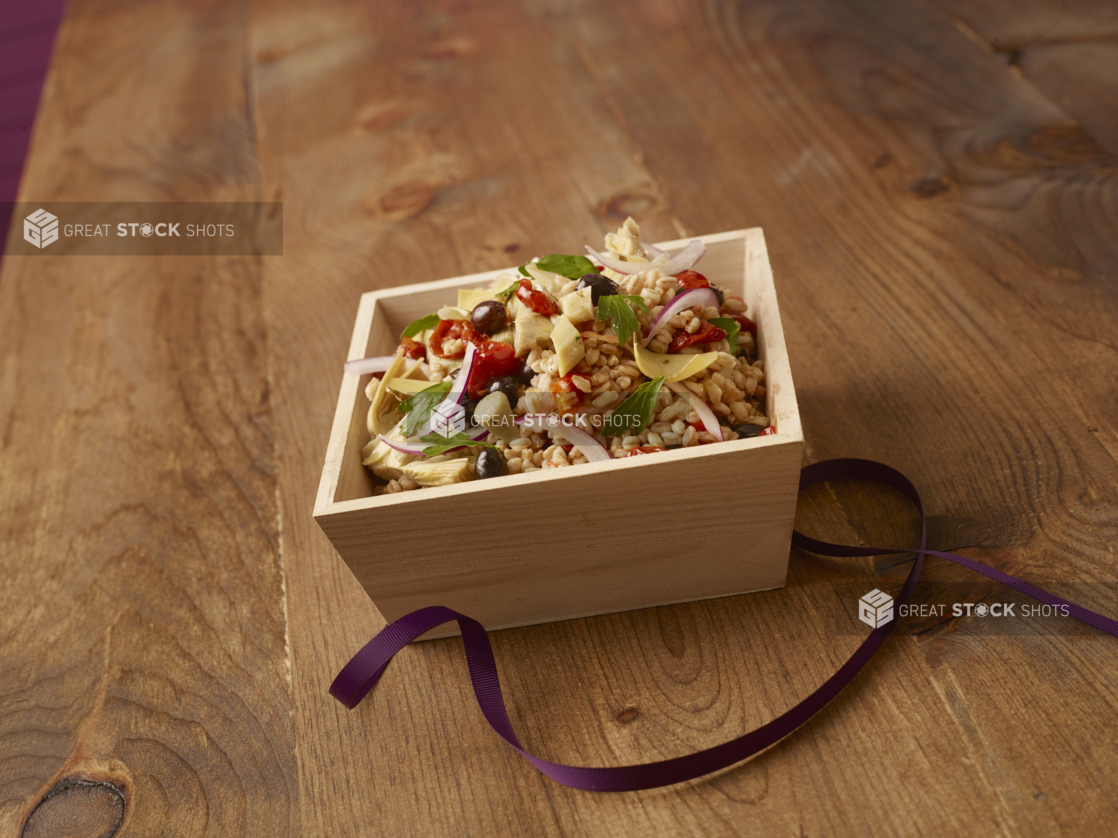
point(566, 360)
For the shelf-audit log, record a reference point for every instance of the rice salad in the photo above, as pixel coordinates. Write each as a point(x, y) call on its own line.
point(566, 360)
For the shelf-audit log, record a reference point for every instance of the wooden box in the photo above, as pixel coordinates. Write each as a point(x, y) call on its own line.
point(555, 544)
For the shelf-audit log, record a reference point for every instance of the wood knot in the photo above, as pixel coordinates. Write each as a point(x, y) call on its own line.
point(929, 187)
point(407, 199)
point(630, 714)
point(627, 204)
point(511, 248)
point(1065, 143)
point(77, 808)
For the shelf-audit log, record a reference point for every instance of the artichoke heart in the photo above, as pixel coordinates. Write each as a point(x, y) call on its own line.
point(438, 474)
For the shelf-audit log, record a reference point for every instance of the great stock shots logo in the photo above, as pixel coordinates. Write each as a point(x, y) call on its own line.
point(875, 608)
point(40, 228)
point(55, 229)
point(448, 419)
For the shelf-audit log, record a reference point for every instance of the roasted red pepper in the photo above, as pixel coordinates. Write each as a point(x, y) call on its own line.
point(535, 300)
point(708, 333)
point(769, 431)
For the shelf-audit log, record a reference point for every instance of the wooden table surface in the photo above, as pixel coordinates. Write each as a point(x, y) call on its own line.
point(938, 184)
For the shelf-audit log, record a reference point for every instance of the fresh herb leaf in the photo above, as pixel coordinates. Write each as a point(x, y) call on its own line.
point(524, 271)
point(572, 267)
point(420, 406)
point(731, 328)
point(615, 308)
point(421, 325)
point(440, 444)
point(636, 411)
point(503, 296)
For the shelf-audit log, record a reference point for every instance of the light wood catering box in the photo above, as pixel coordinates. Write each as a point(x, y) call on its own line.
point(555, 544)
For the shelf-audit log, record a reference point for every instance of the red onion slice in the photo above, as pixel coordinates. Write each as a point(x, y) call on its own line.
point(668, 265)
point(615, 264)
point(688, 299)
point(652, 251)
point(702, 410)
point(378, 363)
point(463, 379)
point(407, 447)
point(684, 259)
point(591, 449)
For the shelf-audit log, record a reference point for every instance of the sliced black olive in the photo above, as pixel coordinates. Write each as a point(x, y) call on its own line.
point(746, 431)
point(489, 317)
point(505, 384)
point(490, 463)
point(600, 286)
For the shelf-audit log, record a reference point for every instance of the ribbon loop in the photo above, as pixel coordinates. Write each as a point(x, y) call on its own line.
point(362, 672)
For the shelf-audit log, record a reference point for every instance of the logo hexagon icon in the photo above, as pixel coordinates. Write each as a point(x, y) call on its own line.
point(40, 228)
point(448, 419)
point(875, 608)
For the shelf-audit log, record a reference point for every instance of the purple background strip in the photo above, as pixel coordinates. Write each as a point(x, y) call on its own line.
point(27, 31)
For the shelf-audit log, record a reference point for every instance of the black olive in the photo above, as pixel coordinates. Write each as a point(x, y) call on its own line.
point(490, 463)
point(600, 286)
point(526, 373)
point(719, 293)
point(489, 317)
point(746, 431)
point(505, 384)
point(469, 406)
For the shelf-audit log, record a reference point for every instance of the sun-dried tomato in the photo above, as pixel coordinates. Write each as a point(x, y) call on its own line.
point(493, 359)
point(644, 449)
point(452, 330)
point(769, 431)
point(745, 324)
point(690, 280)
point(413, 349)
point(708, 333)
point(535, 300)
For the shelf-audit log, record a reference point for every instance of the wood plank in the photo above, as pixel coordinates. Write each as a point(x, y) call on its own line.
point(143, 647)
point(1067, 49)
point(901, 176)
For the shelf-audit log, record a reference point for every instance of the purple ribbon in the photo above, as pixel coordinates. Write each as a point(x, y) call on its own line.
point(362, 672)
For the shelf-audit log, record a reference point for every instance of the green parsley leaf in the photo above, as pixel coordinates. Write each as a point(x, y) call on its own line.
point(421, 325)
point(615, 308)
point(636, 411)
point(572, 267)
point(730, 326)
point(420, 406)
point(440, 444)
point(503, 296)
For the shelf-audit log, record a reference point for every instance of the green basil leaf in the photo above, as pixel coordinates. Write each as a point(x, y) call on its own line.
point(572, 267)
point(730, 326)
point(420, 406)
point(615, 308)
point(636, 411)
point(503, 296)
point(440, 444)
point(421, 325)
point(524, 271)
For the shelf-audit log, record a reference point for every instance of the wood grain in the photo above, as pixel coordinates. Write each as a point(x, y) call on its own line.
point(941, 229)
point(144, 635)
